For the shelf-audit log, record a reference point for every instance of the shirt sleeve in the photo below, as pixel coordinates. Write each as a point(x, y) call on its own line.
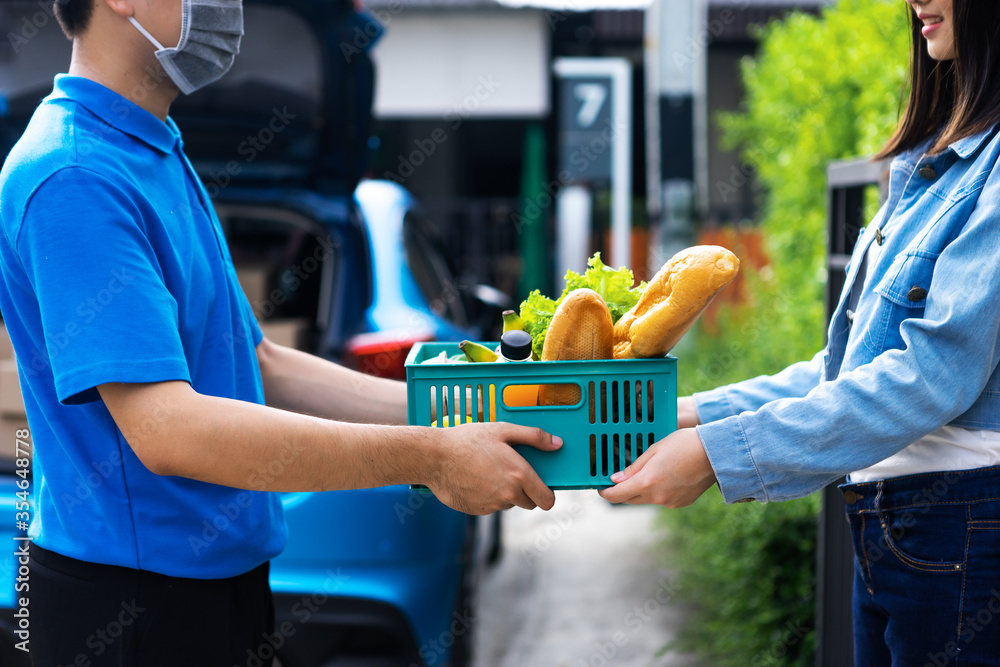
point(796, 380)
point(106, 312)
point(791, 447)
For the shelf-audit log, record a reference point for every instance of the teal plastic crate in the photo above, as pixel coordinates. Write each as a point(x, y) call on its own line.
point(625, 406)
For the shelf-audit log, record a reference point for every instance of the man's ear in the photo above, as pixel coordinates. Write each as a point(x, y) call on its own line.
point(124, 8)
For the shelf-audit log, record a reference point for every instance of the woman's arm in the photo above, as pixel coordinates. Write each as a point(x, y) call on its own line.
point(796, 380)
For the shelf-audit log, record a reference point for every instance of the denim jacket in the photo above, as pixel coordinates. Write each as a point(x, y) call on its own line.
point(919, 351)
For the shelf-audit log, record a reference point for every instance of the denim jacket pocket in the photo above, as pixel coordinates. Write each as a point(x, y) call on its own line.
point(903, 294)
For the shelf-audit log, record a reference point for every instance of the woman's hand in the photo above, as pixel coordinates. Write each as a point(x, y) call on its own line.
point(687, 413)
point(674, 473)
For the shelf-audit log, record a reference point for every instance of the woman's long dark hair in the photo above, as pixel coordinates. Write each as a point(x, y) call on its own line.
point(958, 98)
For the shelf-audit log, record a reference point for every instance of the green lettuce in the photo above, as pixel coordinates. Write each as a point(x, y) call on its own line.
point(614, 286)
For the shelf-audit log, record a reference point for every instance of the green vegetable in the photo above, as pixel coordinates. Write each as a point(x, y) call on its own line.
point(614, 286)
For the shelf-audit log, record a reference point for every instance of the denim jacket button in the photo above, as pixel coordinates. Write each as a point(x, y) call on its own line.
point(850, 497)
point(927, 172)
point(850, 316)
point(916, 294)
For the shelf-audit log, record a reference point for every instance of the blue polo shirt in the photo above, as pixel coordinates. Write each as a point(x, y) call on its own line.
point(115, 269)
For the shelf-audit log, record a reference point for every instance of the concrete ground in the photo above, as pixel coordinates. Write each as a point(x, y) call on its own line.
point(580, 586)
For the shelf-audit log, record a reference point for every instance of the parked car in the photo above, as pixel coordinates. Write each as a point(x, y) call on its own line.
point(381, 576)
point(416, 294)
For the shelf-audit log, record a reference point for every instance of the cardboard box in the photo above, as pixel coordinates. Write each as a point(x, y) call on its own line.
point(290, 332)
point(11, 402)
point(6, 349)
point(254, 281)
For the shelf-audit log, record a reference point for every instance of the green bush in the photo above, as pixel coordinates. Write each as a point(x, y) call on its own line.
point(821, 88)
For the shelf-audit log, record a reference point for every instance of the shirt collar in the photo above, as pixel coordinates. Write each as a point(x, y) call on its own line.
point(966, 147)
point(117, 111)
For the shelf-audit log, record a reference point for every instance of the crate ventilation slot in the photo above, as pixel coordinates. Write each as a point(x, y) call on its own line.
point(617, 451)
point(624, 402)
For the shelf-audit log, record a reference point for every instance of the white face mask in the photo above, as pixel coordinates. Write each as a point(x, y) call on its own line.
point(211, 31)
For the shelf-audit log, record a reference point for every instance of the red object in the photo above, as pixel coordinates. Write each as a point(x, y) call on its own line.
point(383, 353)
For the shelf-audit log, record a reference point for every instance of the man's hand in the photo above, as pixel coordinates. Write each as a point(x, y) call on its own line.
point(479, 472)
point(674, 472)
point(687, 413)
point(176, 431)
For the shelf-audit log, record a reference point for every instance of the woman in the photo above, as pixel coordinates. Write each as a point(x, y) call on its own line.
point(905, 398)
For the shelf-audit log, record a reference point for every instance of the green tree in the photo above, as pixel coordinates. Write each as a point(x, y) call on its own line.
point(821, 88)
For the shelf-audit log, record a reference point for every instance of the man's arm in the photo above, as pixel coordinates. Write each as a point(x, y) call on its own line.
point(302, 382)
point(176, 431)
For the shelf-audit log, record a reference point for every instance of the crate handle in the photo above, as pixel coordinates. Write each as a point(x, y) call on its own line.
point(516, 396)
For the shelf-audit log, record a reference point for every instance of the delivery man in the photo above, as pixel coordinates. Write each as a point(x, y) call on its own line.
point(143, 368)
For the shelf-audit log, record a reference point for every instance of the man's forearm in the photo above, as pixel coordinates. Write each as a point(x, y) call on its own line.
point(301, 382)
point(249, 446)
point(178, 432)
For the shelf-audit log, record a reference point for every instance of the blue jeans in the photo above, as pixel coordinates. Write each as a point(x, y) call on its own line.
point(927, 569)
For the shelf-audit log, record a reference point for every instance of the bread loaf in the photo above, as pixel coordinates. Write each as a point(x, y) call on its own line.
point(580, 329)
point(676, 296)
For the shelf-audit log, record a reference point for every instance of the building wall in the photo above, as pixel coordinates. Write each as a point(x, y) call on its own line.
point(467, 63)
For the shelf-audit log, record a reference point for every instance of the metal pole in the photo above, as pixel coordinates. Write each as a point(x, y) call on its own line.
point(678, 30)
point(621, 166)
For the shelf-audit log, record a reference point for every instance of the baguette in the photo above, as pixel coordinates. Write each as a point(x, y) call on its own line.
point(580, 329)
point(674, 299)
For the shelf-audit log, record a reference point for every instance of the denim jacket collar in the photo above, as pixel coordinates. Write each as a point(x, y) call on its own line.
point(969, 145)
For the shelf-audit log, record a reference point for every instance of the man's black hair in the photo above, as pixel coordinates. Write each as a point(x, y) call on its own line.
point(74, 15)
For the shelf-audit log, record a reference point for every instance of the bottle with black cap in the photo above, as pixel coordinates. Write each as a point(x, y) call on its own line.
point(515, 346)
